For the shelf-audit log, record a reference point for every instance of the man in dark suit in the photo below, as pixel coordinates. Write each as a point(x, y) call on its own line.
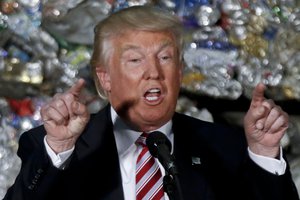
point(137, 65)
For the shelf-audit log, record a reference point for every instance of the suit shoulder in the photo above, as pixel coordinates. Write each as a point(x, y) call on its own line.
point(183, 119)
point(211, 131)
point(99, 119)
point(35, 134)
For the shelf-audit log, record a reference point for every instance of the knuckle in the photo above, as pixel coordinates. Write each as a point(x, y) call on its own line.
point(68, 97)
point(59, 103)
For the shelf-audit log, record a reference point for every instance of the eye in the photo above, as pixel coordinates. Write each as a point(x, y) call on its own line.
point(135, 60)
point(165, 57)
point(132, 57)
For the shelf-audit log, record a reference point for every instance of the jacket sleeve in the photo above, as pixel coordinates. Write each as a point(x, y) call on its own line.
point(265, 185)
point(37, 172)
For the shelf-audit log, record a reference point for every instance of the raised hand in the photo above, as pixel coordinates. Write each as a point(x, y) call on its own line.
point(265, 124)
point(65, 117)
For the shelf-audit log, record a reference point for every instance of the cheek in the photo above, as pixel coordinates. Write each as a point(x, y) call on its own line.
point(125, 84)
point(175, 80)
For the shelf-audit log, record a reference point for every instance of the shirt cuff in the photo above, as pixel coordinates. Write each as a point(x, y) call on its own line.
point(272, 165)
point(60, 158)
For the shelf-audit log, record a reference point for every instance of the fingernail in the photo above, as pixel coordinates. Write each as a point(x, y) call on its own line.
point(261, 110)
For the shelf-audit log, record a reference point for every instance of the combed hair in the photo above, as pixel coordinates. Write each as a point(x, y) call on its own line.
point(140, 18)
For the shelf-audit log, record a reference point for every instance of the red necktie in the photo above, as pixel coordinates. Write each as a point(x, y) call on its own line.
point(149, 182)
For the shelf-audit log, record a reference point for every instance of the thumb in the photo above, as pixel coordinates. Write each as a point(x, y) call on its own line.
point(80, 110)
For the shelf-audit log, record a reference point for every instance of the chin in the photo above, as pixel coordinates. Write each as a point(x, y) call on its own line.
point(159, 116)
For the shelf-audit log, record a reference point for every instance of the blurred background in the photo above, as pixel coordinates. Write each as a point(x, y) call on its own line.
point(230, 46)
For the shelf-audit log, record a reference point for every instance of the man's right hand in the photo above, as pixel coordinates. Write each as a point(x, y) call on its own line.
point(65, 118)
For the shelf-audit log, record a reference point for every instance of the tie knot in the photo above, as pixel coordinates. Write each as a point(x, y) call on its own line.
point(142, 139)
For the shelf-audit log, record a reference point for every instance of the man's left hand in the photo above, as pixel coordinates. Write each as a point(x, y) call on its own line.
point(265, 123)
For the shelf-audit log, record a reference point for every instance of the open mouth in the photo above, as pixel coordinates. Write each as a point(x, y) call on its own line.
point(152, 94)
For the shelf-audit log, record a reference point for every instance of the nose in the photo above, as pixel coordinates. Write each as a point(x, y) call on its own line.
point(153, 69)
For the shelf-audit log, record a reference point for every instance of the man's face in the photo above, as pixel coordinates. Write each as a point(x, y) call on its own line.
point(143, 78)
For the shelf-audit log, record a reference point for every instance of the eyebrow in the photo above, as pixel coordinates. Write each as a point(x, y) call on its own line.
point(162, 45)
point(129, 47)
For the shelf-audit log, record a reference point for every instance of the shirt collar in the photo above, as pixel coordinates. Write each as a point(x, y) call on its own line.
point(125, 136)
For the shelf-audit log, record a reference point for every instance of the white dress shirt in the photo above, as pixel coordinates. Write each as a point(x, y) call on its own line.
point(128, 153)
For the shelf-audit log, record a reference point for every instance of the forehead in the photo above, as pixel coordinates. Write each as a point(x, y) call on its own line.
point(140, 39)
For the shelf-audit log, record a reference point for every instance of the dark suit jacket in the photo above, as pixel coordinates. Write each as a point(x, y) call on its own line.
point(212, 161)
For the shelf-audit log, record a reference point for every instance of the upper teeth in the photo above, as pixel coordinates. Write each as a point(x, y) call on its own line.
point(154, 90)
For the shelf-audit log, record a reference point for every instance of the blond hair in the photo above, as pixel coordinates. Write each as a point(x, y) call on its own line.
point(141, 18)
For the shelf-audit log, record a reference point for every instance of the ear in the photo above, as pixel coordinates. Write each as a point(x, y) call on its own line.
point(104, 78)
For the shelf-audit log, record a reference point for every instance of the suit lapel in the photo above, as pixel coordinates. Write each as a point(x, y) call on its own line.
point(191, 169)
point(97, 148)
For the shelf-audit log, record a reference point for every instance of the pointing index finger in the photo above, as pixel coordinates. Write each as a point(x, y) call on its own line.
point(76, 89)
point(258, 94)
